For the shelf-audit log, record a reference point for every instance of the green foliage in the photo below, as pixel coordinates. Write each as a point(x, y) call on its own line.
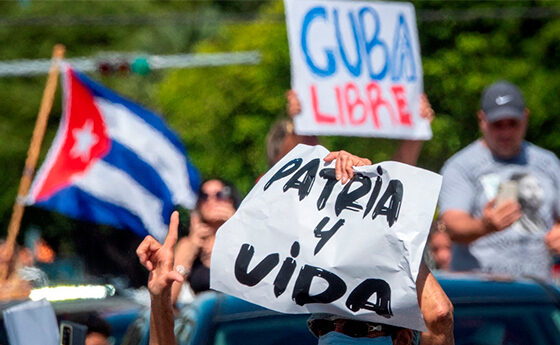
point(86, 28)
point(224, 113)
point(461, 58)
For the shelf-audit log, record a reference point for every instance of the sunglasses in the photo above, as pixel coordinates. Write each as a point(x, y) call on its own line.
point(352, 328)
point(223, 195)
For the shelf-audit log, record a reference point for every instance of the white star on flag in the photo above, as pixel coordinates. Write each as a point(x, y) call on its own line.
point(84, 140)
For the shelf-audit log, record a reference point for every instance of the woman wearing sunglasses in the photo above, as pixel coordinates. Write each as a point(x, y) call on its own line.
point(216, 203)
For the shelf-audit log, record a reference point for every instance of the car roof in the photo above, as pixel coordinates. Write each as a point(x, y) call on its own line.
point(472, 288)
point(461, 288)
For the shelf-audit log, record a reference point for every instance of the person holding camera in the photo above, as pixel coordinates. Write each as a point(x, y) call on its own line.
point(499, 222)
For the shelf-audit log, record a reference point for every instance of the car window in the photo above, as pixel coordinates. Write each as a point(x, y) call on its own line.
point(505, 325)
point(266, 331)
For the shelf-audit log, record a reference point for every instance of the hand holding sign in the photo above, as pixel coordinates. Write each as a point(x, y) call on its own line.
point(356, 66)
point(158, 259)
point(303, 242)
point(345, 163)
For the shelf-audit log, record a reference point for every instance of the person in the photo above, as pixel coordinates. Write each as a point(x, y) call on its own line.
point(439, 245)
point(516, 234)
point(216, 203)
point(98, 330)
point(13, 286)
point(158, 258)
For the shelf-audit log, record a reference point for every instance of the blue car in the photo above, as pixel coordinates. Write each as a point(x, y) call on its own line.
point(117, 311)
point(488, 311)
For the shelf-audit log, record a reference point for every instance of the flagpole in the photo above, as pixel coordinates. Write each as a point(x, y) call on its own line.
point(32, 157)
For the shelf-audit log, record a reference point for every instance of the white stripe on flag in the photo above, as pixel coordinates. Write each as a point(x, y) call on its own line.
point(113, 185)
point(152, 146)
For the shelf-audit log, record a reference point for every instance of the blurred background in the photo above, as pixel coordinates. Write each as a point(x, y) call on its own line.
point(223, 113)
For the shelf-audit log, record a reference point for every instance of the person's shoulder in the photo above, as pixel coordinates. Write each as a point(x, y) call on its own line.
point(466, 156)
point(540, 154)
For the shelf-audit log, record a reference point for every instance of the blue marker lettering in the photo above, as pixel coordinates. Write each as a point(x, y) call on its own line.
point(356, 69)
point(374, 41)
point(315, 12)
point(402, 53)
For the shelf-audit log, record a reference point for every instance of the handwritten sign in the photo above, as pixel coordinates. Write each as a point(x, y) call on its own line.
point(356, 68)
point(302, 242)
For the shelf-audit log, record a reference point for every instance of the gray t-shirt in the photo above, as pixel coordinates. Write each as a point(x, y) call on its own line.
point(471, 179)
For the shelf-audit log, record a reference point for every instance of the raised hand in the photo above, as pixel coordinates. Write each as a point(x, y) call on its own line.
point(158, 259)
point(293, 105)
point(426, 110)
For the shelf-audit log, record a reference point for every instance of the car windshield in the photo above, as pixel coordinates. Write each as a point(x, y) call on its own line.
point(511, 325)
point(474, 325)
point(266, 331)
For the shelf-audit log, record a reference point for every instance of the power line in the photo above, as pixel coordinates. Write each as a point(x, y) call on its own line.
point(194, 18)
point(458, 15)
point(89, 64)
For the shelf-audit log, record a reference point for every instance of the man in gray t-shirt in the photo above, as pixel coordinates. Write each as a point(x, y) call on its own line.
point(500, 198)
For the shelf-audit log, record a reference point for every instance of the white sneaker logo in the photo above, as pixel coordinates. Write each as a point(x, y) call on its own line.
point(501, 100)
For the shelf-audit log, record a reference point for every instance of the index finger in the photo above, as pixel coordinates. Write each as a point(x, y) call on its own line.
point(172, 233)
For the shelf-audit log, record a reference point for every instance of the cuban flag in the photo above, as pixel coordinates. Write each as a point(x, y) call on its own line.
point(113, 162)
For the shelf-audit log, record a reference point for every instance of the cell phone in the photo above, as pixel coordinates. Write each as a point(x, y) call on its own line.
point(72, 333)
point(507, 190)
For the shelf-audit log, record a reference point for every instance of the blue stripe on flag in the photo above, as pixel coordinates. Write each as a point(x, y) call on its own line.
point(87, 207)
point(143, 173)
point(194, 177)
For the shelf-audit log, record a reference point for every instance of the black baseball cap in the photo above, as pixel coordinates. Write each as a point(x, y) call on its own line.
point(502, 100)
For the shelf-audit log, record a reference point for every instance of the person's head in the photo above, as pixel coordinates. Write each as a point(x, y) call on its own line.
point(331, 329)
point(281, 139)
point(215, 195)
point(503, 119)
point(440, 246)
point(98, 330)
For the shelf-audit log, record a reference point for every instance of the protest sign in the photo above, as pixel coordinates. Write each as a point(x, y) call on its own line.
point(356, 68)
point(302, 242)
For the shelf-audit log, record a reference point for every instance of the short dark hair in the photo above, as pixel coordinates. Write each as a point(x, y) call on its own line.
point(275, 138)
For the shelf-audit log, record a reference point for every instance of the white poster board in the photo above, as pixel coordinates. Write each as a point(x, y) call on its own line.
point(302, 242)
point(356, 68)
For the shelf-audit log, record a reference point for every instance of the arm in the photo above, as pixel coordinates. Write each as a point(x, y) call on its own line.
point(158, 259)
point(552, 239)
point(190, 247)
point(436, 308)
point(185, 254)
point(409, 150)
point(464, 228)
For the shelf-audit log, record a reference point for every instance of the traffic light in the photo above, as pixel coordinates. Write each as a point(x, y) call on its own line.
point(140, 65)
point(108, 67)
point(122, 66)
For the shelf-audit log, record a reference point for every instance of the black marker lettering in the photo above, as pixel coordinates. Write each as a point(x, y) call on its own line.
point(345, 200)
point(259, 272)
point(336, 286)
point(286, 170)
point(286, 271)
point(325, 236)
point(373, 196)
point(394, 192)
point(304, 187)
point(358, 298)
point(329, 175)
